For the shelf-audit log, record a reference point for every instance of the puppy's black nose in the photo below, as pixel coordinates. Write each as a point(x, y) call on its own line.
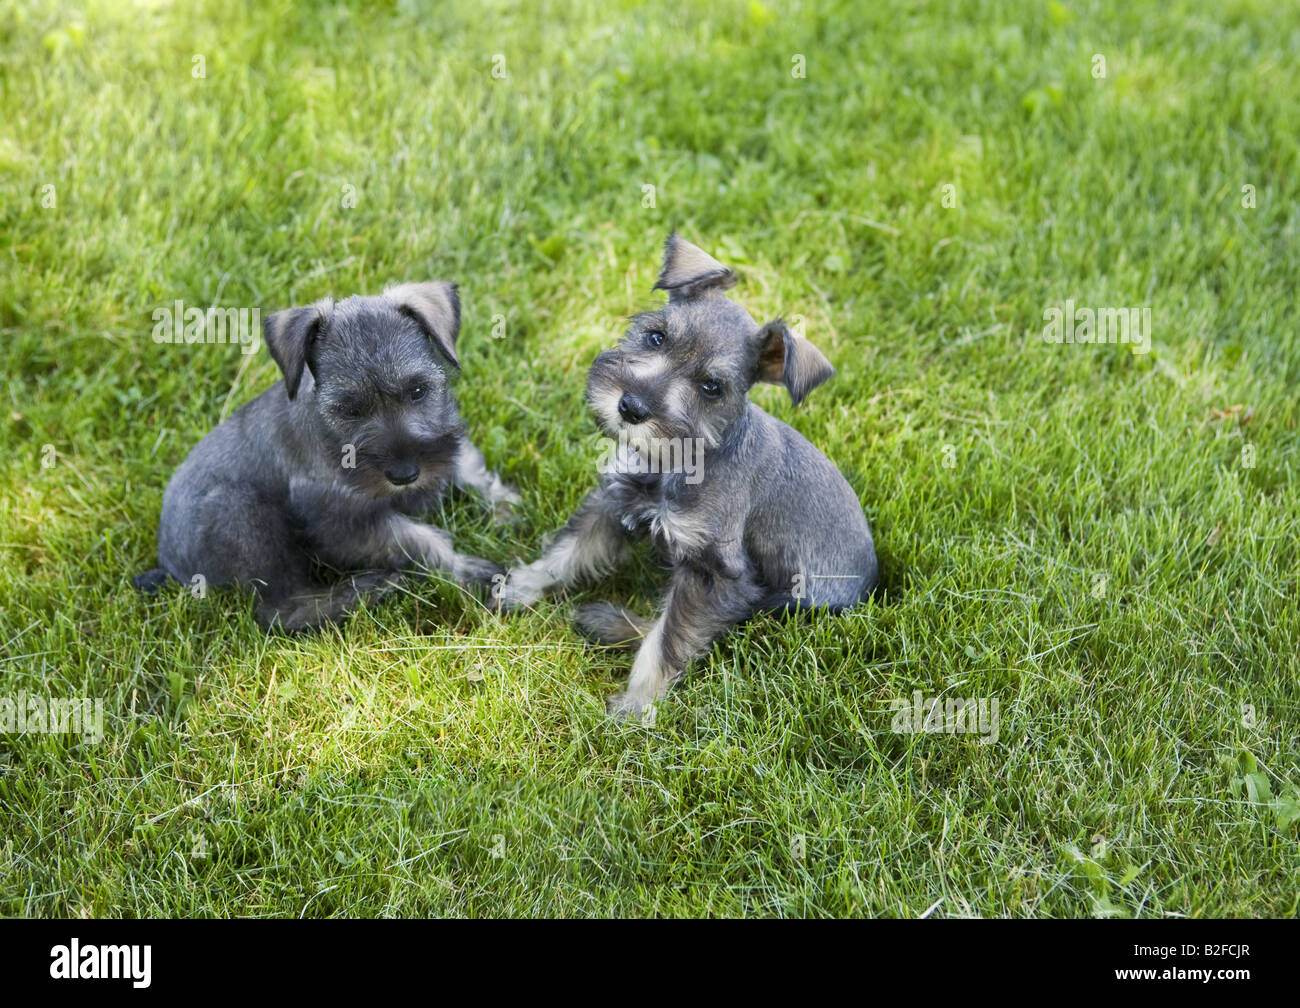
point(633, 409)
point(402, 473)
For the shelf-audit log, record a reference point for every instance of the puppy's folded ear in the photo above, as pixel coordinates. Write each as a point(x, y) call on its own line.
point(689, 271)
point(435, 308)
point(785, 359)
point(289, 336)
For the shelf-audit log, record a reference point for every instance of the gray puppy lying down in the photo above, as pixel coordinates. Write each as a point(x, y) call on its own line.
point(331, 466)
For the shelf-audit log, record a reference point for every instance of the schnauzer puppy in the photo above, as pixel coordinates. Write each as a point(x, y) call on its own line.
point(327, 468)
point(749, 515)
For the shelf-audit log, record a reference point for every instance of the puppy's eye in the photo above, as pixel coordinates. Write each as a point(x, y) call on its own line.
point(418, 392)
point(654, 338)
point(711, 388)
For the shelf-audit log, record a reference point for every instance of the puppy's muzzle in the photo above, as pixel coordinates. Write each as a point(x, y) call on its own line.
point(633, 409)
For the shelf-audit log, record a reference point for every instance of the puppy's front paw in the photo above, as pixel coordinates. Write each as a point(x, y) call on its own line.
point(514, 591)
point(504, 501)
point(476, 572)
point(628, 706)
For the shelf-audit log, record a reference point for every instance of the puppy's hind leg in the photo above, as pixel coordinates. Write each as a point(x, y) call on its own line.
point(611, 625)
point(151, 581)
point(699, 609)
point(309, 607)
point(225, 533)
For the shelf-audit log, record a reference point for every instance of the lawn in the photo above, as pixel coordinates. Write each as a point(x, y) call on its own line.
point(1104, 541)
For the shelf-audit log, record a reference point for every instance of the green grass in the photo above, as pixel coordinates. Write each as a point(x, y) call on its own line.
point(1096, 555)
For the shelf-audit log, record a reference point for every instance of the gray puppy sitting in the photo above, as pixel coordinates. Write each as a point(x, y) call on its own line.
point(760, 521)
point(329, 467)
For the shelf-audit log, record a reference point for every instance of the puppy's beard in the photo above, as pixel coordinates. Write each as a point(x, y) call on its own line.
point(639, 438)
point(372, 483)
point(662, 444)
point(420, 484)
point(655, 448)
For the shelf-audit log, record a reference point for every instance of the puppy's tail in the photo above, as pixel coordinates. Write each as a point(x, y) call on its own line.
point(151, 580)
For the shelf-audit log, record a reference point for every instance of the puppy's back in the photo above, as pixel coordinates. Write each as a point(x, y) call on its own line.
point(806, 530)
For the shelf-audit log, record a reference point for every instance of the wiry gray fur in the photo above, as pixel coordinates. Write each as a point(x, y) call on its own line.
point(770, 525)
point(268, 497)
